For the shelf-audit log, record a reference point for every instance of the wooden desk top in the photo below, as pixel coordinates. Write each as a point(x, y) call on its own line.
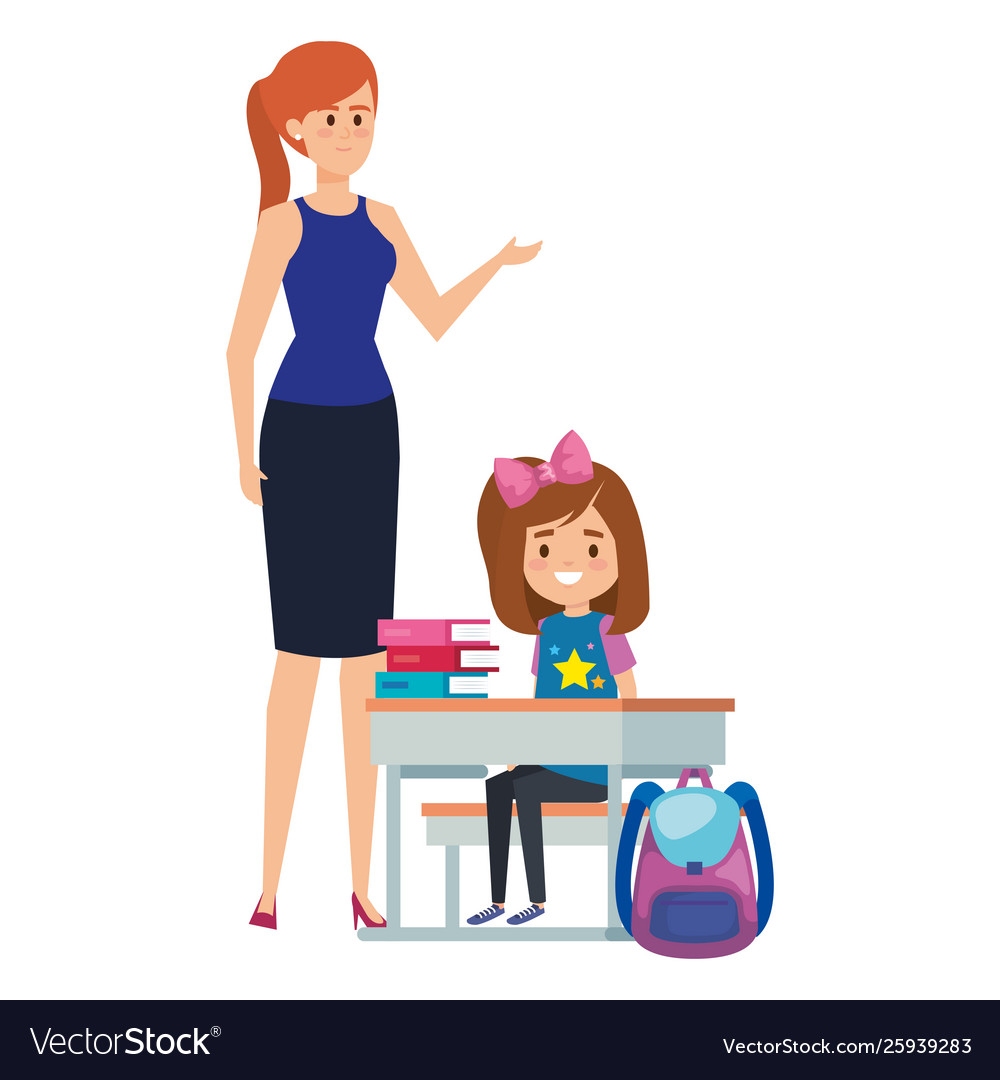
point(528, 705)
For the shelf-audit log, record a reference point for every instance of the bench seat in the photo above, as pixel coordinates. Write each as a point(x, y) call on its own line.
point(463, 824)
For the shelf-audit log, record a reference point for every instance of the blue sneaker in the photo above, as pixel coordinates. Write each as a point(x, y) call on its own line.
point(485, 915)
point(526, 915)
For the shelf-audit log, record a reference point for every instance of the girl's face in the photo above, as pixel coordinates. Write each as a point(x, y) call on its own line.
point(571, 564)
point(338, 137)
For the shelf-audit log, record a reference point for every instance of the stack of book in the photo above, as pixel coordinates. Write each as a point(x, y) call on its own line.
point(435, 658)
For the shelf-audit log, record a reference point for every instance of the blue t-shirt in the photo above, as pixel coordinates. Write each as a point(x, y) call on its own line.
point(571, 662)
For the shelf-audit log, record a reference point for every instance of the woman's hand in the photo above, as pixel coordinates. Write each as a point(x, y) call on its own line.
point(511, 768)
point(512, 255)
point(250, 478)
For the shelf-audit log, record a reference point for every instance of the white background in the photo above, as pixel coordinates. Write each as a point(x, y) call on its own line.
point(767, 298)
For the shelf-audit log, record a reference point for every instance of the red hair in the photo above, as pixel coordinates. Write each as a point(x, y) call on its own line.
point(303, 80)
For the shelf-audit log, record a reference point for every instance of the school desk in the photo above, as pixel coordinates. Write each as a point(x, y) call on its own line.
point(637, 738)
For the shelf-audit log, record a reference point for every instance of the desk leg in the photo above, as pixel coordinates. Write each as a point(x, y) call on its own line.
point(614, 834)
point(393, 846)
point(451, 878)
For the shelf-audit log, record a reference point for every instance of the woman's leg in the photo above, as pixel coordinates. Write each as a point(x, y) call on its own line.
point(288, 708)
point(357, 682)
point(530, 790)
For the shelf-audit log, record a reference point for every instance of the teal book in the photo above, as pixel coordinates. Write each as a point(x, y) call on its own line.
point(430, 684)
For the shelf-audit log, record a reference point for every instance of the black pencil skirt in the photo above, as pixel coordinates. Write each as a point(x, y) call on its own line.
point(330, 523)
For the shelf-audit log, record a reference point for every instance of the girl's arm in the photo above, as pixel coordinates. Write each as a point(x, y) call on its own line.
point(278, 233)
point(626, 683)
point(414, 286)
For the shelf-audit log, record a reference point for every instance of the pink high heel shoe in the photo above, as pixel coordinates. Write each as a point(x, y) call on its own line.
point(360, 911)
point(261, 918)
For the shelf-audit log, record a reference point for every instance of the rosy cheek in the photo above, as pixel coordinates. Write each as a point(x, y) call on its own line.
point(537, 564)
point(325, 133)
point(362, 133)
point(598, 564)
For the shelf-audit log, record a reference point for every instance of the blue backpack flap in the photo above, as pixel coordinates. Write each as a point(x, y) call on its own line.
point(690, 832)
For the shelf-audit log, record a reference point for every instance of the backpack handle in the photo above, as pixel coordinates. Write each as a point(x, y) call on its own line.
point(745, 795)
point(686, 775)
point(642, 799)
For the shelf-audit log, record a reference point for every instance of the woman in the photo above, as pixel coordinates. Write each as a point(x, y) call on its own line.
point(331, 407)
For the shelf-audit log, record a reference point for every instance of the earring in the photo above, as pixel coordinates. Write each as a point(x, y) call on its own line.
point(297, 137)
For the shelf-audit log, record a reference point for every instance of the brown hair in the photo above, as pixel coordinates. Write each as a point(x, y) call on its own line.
point(307, 78)
point(501, 537)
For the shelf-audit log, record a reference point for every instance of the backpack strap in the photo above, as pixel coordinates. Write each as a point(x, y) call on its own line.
point(642, 799)
point(745, 795)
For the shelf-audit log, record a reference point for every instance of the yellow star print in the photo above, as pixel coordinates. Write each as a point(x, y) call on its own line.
point(573, 671)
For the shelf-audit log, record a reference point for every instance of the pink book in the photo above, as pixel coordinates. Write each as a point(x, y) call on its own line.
point(433, 632)
point(442, 658)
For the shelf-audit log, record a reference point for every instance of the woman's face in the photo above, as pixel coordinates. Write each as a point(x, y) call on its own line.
point(572, 563)
point(338, 137)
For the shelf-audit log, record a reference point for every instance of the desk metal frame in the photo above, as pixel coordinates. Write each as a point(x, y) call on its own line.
point(435, 737)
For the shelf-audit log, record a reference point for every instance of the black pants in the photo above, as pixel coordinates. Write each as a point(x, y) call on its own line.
point(530, 786)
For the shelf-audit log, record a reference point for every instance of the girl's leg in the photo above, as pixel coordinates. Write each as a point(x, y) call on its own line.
point(499, 800)
point(288, 710)
point(530, 790)
point(357, 682)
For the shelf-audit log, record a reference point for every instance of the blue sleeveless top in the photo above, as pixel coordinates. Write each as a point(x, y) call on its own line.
point(334, 284)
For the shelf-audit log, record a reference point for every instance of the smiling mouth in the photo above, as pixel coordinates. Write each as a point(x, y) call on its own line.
point(343, 148)
point(570, 577)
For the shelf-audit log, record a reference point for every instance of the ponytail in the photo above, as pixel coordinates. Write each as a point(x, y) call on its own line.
point(271, 160)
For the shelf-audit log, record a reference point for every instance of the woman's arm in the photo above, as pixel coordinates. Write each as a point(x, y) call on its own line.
point(414, 286)
point(278, 233)
point(626, 683)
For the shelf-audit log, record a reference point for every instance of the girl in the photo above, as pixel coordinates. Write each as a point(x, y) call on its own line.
point(330, 422)
point(566, 561)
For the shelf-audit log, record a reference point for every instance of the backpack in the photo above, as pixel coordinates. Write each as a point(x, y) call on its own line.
point(694, 885)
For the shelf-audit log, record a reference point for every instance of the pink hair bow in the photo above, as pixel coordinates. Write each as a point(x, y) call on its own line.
point(570, 464)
